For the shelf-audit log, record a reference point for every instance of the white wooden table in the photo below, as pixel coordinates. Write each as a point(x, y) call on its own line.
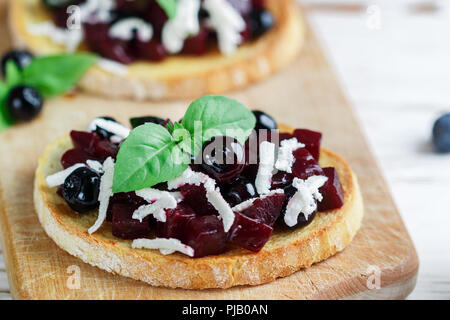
point(396, 73)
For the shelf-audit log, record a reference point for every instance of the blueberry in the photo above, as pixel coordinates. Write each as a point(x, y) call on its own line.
point(59, 4)
point(441, 133)
point(260, 21)
point(264, 121)
point(136, 122)
point(22, 58)
point(24, 103)
point(81, 190)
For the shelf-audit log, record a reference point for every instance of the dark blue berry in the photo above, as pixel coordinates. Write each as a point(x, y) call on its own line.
point(22, 58)
point(239, 191)
point(136, 122)
point(441, 133)
point(59, 4)
point(264, 121)
point(24, 103)
point(81, 190)
point(260, 21)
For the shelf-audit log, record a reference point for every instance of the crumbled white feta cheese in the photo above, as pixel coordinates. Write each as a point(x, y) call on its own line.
point(285, 157)
point(58, 178)
point(266, 166)
point(125, 29)
point(165, 246)
point(110, 126)
point(305, 199)
point(227, 22)
point(212, 193)
point(106, 184)
point(98, 10)
point(159, 202)
point(248, 203)
point(183, 25)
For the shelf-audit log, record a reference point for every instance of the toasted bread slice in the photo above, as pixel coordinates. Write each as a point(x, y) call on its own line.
point(285, 253)
point(178, 76)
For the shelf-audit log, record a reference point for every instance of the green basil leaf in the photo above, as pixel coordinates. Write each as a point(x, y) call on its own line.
point(213, 115)
point(148, 156)
point(6, 119)
point(13, 74)
point(54, 75)
point(169, 7)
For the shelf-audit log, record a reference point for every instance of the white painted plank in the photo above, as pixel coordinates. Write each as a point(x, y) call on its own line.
point(397, 81)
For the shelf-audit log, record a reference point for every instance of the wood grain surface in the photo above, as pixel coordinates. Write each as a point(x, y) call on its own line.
point(304, 95)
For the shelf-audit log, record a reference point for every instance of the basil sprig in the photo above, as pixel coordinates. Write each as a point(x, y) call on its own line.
point(152, 154)
point(50, 75)
point(169, 7)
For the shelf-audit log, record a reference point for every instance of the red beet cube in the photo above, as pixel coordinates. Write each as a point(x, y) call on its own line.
point(85, 141)
point(124, 226)
point(72, 157)
point(198, 44)
point(152, 50)
point(176, 223)
point(311, 139)
point(105, 149)
point(305, 165)
point(332, 192)
point(266, 210)
point(248, 233)
point(195, 197)
point(206, 236)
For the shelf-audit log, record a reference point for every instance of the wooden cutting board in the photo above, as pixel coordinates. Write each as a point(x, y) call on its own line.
point(304, 95)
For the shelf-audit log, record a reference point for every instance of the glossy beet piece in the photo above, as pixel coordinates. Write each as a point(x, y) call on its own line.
point(85, 141)
point(239, 191)
point(332, 192)
point(305, 165)
point(72, 157)
point(123, 224)
point(176, 223)
point(223, 159)
point(128, 198)
point(248, 233)
point(311, 139)
point(105, 149)
point(156, 16)
point(206, 236)
point(195, 197)
point(151, 50)
point(266, 210)
point(135, 6)
point(98, 40)
point(81, 189)
point(196, 45)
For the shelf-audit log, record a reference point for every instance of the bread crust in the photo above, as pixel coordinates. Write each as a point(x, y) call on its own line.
point(285, 253)
point(178, 77)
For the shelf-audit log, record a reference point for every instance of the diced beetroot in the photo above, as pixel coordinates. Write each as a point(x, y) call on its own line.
point(99, 41)
point(152, 50)
point(259, 4)
point(198, 44)
point(176, 223)
point(311, 139)
point(129, 198)
point(332, 192)
point(285, 136)
point(156, 15)
point(305, 165)
point(85, 141)
point(248, 233)
point(72, 157)
point(105, 149)
point(206, 236)
point(281, 179)
point(195, 197)
point(124, 226)
point(135, 6)
point(266, 210)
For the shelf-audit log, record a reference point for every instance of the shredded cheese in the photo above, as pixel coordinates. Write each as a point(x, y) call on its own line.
point(58, 178)
point(106, 184)
point(159, 202)
point(285, 157)
point(263, 180)
point(165, 246)
point(111, 126)
point(305, 199)
point(125, 29)
point(248, 203)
